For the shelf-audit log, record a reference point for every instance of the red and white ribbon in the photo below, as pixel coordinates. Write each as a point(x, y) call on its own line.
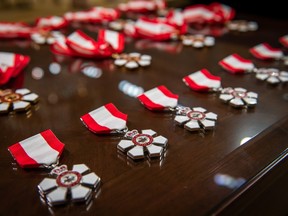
point(137, 6)
point(223, 13)
point(154, 29)
point(60, 47)
point(115, 39)
point(80, 44)
point(130, 30)
point(20, 62)
point(52, 22)
point(43, 149)
point(213, 13)
point(15, 30)
point(102, 14)
point(159, 98)
point(266, 52)
point(105, 119)
point(198, 14)
point(94, 15)
point(140, 6)
point(176, 19)
point(284, 40)
point(237, 64)
point(11, 64)
point(78, 16)
point(202, 80)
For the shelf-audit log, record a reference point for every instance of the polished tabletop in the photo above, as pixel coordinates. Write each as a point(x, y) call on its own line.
point(200, 173)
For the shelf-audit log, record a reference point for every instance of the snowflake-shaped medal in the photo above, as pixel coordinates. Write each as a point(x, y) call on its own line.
point(195, 119)
point(117, 25)
point(47, 37)
point(198, 40)
point(137, 145)
point(239, 97)
point(132, 60)
point(271, 75)
point(242, 25)
point(161, 99)
point(69, 185)
point(19, 100)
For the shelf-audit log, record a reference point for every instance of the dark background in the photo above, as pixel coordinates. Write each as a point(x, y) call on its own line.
point(275, 9)
point(29, 10)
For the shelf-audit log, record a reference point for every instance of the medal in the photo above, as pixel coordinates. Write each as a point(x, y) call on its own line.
point(242, 25)
point(204, 81)
point(108, 119)
point(239, 97)
point(46, 36)
point(271, 75)
point(17, 101)
point(132, 60)
point(43, 150)
point(198, 40)
point(239, 65)
point(136, 145)
point(193, 119)
point(69, 185)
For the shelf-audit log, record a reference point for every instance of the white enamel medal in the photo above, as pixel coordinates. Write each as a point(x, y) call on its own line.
point(18, 101)
point(195, 119)
point(239, 97)
point(43, 150)
point(242, 25)
point(132, 60)
point(138, 145)
point(198, 40)
point(69, 185)
point(271, 75)
point(47, 37)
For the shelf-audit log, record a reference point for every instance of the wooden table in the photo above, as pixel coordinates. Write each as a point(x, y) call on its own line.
point(186, 181)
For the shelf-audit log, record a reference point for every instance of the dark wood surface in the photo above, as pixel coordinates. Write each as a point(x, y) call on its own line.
point(183, 183)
